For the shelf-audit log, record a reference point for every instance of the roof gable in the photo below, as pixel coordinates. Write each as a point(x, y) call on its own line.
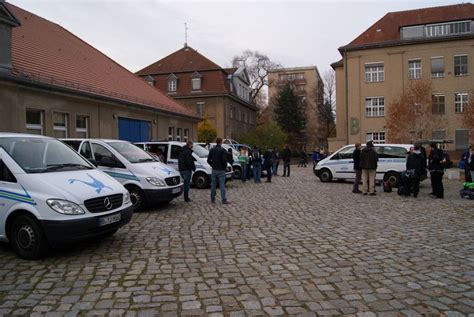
point(6, 16)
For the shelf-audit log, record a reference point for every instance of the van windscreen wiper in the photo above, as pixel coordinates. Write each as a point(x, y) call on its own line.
point(55, 167)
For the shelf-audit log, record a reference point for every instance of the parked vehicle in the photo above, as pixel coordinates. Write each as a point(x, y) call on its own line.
point(148, 181)
point(50, 196)
point(237, 169)
point(201, 178)
point(339, 165)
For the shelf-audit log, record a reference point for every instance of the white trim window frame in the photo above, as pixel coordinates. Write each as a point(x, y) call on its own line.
point(374, 72)
point(178, 134)
point(200, 108)
point(375, 107)
point(461, 101)
point(62, 127)
point(82, 132)
point(461, 65)
point(34, 127)
point(414, 68)
point(172, 84)
point(170, 133)
point(438, 103)
point(376, 137)
point(186, 135)
point(437, 70)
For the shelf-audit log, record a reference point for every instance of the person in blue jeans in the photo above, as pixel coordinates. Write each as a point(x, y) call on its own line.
point(257, 164)
point(217, 158)
point(186, 167)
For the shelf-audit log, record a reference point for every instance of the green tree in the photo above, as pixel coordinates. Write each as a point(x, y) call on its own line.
point(206, 132)
point(268, 135)
point(290, 111)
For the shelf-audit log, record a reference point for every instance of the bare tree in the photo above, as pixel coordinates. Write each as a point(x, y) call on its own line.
point(468, 117)
point(258, 65)
point(329, 79)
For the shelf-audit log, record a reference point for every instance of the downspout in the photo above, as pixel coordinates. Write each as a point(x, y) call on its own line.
point(346, 95)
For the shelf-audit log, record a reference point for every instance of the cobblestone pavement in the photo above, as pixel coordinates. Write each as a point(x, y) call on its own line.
point(293, 247)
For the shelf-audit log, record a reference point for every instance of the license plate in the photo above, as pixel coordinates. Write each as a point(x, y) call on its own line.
point(176, 190)
point(109, 219)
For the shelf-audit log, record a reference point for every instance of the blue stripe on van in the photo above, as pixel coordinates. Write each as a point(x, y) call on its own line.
point(25, 198)
point(120, 175)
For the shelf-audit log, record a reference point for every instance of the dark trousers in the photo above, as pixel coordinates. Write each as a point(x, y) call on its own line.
point(268, 168)
point(286, 169)
point(186, 175)
point(243, 172)
point(467, 173)
point(358, 176)
point(437, 183)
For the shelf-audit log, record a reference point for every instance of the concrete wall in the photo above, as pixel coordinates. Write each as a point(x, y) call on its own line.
point(103, 116)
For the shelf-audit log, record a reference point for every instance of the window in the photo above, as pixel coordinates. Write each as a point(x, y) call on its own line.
point(437, 67)
point(291, 76)
point(86, 150)
point(414, 69)
point(460, 65)
point(412, 32)
point(450, 28)
point(439, 134)
point(170, 133)
point(178, 134)
point(34, 121)
point(200, 109)
point(375, 107)
point(392, 152)
point(300, 76)
point(438, 104)
point(196, 83)
point(186, 135)
point(232, 112)
point(82, 126)
point(282, 77)
point(374, 72)
point(60, 124)
point(462, 139)
point(376, 137)
point(175, 150)
point(460, 102)
point(5, 174)
point(172, 84)
point(100, 152)
point(344, 154)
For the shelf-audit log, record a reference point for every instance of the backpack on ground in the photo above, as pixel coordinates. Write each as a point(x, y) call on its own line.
point(468, 191)
point(387, 187)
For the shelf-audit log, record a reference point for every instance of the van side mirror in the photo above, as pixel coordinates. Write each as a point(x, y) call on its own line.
point(108, 162)
point(94, 162)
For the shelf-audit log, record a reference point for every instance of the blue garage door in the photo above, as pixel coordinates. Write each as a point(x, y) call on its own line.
point(134, 130)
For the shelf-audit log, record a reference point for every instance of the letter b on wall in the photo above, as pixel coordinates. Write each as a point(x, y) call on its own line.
point(354, 125)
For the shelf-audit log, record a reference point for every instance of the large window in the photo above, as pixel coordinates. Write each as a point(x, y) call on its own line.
point(376, 137)
point(170, 133)
point(82, 126)
point(437, 67)
point(60, 125)
point(438, 104)
point(200, 109)
point(414, 69)
point(178, 134)
point(460, 102)
point(196, 81)
point(375, 107)
point(460, 65)
point(461, 139)
point(450, 28)
point(34, 121)
point(374, 72)
point(172, 84)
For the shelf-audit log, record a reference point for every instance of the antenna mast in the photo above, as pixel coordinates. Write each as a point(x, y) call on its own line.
point(185, 34)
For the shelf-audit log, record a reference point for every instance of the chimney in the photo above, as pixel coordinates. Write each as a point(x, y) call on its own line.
point(7, 22)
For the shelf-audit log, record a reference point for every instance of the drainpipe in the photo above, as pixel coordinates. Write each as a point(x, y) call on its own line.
point(346, 95)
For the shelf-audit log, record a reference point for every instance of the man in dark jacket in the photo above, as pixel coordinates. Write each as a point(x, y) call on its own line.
point(436, 164)
point(256, 164)
point(368, 164)
point(268, 159)
point(186, 167)
point(357, 170)
point(286, 157)
point(415, 162)
point(468, 160)
point(218, 160)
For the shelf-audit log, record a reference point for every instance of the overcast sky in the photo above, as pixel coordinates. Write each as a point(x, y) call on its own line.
point(136, 33)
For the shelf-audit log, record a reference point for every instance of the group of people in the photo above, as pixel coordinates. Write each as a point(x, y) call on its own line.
point(365, 166)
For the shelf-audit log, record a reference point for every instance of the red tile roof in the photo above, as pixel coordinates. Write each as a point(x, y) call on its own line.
point(44, 51)
point(387, 29)
point(186, 59)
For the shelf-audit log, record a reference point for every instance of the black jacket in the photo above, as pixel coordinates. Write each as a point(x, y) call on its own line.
point(356, 157)
point(186, 160)
point(434, 160)
point(256, 156)
point(286, 155)
point(217, 158)
point(268, 158)
point(415, 162)
point(368, 158)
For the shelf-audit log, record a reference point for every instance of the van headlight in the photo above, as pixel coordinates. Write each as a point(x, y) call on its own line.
point(65, 207)
point(156, 181)
point(126, 198)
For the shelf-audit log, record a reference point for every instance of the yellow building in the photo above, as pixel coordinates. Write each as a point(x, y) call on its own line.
point(432, 43)
point(308, 85)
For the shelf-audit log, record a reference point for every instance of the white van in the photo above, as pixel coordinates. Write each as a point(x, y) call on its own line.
point(50, 196)
point(149, 181)
point(236, 167)
point(340, 165)
point(169, 150)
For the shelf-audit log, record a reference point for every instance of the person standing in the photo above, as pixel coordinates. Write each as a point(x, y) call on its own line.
point(276, 161)
point(268, 164)
point(315, 158)
point(415, 162)
point(436, 162)
point(244, 160)
point(468, 160)
point(286, 157)
point(217, 158)
point(186, 167)
point(357, 169)
point(257, 164)
point(368, 164)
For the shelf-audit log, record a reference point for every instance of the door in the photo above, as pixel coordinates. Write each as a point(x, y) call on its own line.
point(10, 192)
point(174, 153)
point(343, 163)
point(134, 130)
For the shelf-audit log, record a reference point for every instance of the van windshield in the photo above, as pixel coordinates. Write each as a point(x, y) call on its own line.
point(200, 151)
point(42, 155)
point(131, 152)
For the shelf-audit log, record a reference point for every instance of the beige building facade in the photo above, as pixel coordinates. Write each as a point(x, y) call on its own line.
point(371, 76)
point(308, 85)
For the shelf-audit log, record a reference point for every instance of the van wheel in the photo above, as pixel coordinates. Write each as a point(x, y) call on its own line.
point(137, 198)
point(27, 238)
point(393, 178)
point(200, 180)
point(325, 175)
point(237, 172)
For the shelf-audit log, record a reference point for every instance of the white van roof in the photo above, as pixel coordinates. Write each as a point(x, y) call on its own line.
point(17, 135)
